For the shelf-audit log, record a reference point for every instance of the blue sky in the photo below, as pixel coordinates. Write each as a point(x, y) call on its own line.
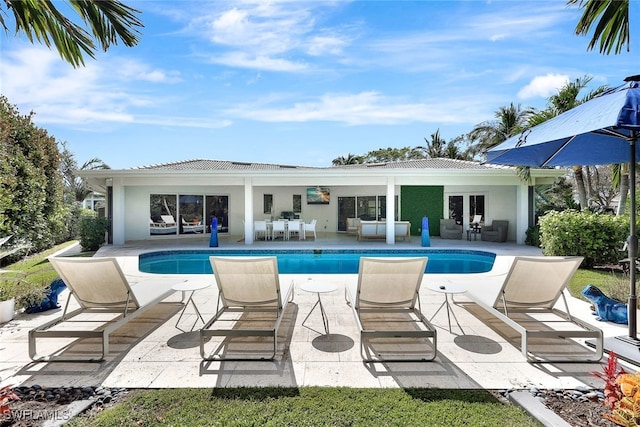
point(295, 82)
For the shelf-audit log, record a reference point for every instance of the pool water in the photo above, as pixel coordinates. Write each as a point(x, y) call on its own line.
point(317, 261)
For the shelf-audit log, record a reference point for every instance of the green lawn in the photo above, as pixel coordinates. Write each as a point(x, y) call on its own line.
point(309, 406)
point(614, 285)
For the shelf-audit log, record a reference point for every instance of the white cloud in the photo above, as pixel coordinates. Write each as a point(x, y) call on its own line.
point(321, 45)
point(273, 36)
point(111, 90)
point(259, 62)
point(131, 69)
point(543, 86)
point(364, 108)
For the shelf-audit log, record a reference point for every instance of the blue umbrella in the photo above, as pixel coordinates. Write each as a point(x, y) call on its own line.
point(600, 131)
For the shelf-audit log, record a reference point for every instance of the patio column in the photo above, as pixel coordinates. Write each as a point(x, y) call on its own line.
point(391, 210)
point(248, 211)
point(522, 212)
point(118, 219)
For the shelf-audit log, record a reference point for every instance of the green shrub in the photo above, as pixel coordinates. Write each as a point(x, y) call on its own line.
point(92, 231)
point(597, 237)
point(532, 237)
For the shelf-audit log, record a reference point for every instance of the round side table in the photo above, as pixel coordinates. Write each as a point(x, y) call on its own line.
point(449, 290)
point(318, 288)
point(192, 287)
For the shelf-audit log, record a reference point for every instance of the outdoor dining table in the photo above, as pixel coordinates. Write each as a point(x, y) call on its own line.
point(286, 229)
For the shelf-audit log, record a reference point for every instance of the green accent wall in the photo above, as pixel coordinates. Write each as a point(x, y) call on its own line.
point(419, 201)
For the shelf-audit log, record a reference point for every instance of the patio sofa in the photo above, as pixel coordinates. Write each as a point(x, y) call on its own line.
point(378, 230)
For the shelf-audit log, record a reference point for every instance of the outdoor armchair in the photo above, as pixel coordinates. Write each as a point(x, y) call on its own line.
point(496, 232)
point(450, 230)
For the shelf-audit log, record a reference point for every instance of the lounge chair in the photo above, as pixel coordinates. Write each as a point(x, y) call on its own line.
point(624, 263)
point(384, 305)
point(450, 230)
point(251, 303)
point(100, 287)
point(192, 227)
point(525, 301)
point(168, 219)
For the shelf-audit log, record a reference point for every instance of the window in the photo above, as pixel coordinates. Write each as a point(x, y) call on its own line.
point(366, 208)
point(456, 208)
point(162, 214)
point(191, 214)
point(218, 207)
point(268, 204)
point(476, 206)
point(297, 203)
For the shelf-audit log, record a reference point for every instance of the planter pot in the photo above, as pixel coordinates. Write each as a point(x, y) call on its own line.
point(7, 310)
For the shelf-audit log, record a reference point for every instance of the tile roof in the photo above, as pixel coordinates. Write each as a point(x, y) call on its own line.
point(437, 163)
point(208, 164)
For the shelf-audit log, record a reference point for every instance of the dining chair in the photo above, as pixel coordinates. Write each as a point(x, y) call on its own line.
point(293, 228)
point(260, 229)
point(278, 229)
point(311, 228)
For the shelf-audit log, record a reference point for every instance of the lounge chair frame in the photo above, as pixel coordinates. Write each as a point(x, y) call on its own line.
point(234, 276)
point(391, 273)
point(505, 307)
point(82, 277)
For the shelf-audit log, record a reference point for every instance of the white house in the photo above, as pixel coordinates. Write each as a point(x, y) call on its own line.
point(142, 202)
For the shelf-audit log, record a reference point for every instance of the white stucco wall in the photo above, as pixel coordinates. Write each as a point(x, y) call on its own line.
point(501, 202)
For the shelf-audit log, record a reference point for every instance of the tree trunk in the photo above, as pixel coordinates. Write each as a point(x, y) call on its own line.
point(624, 190)
point(580, 188)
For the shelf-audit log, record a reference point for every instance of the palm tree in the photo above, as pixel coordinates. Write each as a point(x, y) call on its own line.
point(435, 148)
point(611, 17)
point(509, 121)
point(564, 100)
point(75, 187)
point(611, 33)
point(349, 159)
point(107, 21)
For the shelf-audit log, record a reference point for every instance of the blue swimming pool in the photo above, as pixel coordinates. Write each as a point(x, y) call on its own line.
point(325, 261)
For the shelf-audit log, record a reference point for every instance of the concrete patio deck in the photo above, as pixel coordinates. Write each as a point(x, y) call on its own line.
point(150, 352)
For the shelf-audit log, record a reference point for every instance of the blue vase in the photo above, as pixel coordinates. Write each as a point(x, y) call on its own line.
point(426, 241)
point(213, 240)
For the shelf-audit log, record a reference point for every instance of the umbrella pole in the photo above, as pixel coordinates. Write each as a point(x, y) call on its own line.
point(633, 241)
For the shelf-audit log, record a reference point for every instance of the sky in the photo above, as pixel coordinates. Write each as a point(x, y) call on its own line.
point(302, 82)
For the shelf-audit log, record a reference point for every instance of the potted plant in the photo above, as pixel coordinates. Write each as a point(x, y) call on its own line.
point(17, 292)
point(7, 298)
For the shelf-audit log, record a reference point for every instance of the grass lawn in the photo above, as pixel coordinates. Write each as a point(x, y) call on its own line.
point(309, 406)
point(615, 285)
